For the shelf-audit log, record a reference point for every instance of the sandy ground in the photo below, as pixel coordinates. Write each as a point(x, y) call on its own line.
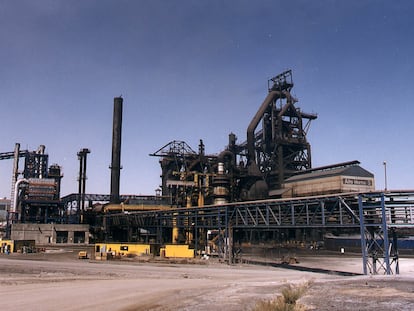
point(60, 281)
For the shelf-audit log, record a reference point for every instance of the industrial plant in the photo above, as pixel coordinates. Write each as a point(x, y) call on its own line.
point(261, 188)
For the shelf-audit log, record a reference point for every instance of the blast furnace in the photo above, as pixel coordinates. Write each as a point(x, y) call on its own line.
point(276, 148)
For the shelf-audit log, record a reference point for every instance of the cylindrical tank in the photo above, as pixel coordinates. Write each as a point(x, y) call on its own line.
point(221, 185)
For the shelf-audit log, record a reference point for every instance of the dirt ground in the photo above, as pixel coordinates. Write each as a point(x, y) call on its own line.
point(57, 280)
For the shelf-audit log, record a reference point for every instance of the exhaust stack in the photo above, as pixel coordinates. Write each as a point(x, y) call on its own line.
point(116, 150)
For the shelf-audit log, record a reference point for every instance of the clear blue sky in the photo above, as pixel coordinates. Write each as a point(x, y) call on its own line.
point(191, 70)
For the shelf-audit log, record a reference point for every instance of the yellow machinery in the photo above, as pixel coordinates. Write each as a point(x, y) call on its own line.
point(83, 255)
point(104, 251)
point(6, 246)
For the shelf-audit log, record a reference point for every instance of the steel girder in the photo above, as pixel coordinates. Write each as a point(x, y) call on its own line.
point(317, 212)
point(380, 214)
point(313, 212)
point(329, 211)
point(375, 214)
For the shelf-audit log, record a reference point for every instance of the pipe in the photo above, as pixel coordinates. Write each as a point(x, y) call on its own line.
point(116, 150)
point(16, 194)
point(15, 173)
point(82, 156)
point(290, 101)
point(254, 170)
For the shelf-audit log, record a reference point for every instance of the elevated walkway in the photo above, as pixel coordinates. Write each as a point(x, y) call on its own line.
point(376, 214)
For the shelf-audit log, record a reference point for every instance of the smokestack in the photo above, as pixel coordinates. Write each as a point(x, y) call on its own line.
point(116, 150)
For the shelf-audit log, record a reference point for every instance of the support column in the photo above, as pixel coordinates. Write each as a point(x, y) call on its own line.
point(375, 244)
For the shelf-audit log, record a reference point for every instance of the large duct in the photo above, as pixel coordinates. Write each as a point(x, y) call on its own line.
point(116, 150)
point(251, 152)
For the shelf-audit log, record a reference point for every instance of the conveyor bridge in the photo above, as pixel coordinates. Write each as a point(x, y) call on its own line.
point(376, 214)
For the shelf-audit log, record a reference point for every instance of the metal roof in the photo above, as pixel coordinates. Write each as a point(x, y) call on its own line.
point(352, 169)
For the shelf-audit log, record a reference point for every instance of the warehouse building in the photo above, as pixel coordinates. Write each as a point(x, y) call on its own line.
point(337, 178)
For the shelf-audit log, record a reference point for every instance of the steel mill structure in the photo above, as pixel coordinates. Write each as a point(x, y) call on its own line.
point(276, 148)
point(262, 190)
point(36, 196)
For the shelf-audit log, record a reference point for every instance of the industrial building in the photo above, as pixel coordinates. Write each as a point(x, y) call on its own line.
point(35, 211)
point(43, 234)
point(261, 190)
point(337, 178)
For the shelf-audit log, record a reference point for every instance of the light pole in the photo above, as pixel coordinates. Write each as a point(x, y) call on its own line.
point(385, 175)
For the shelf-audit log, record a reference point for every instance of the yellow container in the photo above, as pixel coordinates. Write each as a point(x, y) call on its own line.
point(122, 249)
point(178, 251)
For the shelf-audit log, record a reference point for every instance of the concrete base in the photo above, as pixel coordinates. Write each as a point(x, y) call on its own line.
point(51, 233)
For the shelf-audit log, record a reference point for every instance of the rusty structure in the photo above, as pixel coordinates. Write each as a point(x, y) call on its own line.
point(276, 148)
point(36, 196)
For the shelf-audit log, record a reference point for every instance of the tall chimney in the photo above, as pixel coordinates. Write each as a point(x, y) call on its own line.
point(116, 150)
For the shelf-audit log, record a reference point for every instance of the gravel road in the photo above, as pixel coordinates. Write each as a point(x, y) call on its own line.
point(60, 281)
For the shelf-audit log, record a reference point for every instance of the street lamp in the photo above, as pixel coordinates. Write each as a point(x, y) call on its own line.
point(385, 175)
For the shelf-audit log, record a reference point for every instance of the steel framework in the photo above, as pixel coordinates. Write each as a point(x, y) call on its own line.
point(276, 148)
point(380, 214)
point(346, 210)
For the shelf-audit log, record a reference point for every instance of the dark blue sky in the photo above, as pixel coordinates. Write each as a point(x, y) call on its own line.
point(191, 70)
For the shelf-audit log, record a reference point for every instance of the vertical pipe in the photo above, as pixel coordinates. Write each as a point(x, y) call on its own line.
point(16, 196)
point(82, 156)
point(80, 180)
point(15, 172)
point(84, 178)
point(116, 150)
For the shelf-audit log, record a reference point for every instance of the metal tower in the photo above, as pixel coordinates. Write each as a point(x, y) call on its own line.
point(380, 255)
